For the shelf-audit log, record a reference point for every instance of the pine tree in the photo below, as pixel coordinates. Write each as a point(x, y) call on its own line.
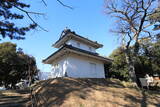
point(8, 17)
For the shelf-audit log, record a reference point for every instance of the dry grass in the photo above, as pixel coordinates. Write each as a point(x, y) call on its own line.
point(69, 92)
point(13, 98)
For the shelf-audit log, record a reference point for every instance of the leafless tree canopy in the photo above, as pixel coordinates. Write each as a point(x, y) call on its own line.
point(132, 17)
point(133, 25)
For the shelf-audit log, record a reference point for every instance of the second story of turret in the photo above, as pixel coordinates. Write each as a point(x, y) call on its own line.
point(69, 37)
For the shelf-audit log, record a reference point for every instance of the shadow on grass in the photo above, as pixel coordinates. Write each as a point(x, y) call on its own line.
point(13, 98)
point(144, 99)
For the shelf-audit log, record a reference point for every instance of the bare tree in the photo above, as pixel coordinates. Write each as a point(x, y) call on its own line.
point(132, 25)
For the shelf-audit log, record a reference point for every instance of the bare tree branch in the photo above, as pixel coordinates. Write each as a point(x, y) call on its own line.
point(146, 26)
point(36, 23)
point(44, 3)
point(129, 41)
point(27, 11)
point(64, 4)
point(59, 1)
point(28, 14)
point(133, 19)
point(149, 33)
point(36, 13)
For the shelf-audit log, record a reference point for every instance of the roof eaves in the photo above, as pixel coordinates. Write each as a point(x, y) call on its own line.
point(87, 52)
point(78, 50)
point(59, 40)
point(95, 42)
point(44, 61)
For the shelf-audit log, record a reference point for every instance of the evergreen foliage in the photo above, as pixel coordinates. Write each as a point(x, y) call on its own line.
point(118, 69)
point(9, 15)
point(147, 61)
point(134, 23)
point(15, 65)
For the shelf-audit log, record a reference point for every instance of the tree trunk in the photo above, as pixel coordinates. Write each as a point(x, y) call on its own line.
point(6, 85)
point(131, 66)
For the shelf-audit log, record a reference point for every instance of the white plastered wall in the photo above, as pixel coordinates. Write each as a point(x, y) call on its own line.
point(79, 67)
point(82, 45)
point(60, 70)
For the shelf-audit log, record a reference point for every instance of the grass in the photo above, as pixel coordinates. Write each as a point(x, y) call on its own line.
point(69, 92)
point(14, 98)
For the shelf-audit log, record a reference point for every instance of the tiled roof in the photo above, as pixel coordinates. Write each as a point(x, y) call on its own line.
point(78, 50)
point(65, 33)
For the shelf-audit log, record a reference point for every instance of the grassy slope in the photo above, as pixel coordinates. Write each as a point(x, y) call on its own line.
point(69, 92)
point(13, 98)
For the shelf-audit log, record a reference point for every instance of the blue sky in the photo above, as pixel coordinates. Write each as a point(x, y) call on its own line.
point(86, 19)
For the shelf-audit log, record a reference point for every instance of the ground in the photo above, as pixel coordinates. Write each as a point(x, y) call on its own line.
point(14, 98)
point(69, 92)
